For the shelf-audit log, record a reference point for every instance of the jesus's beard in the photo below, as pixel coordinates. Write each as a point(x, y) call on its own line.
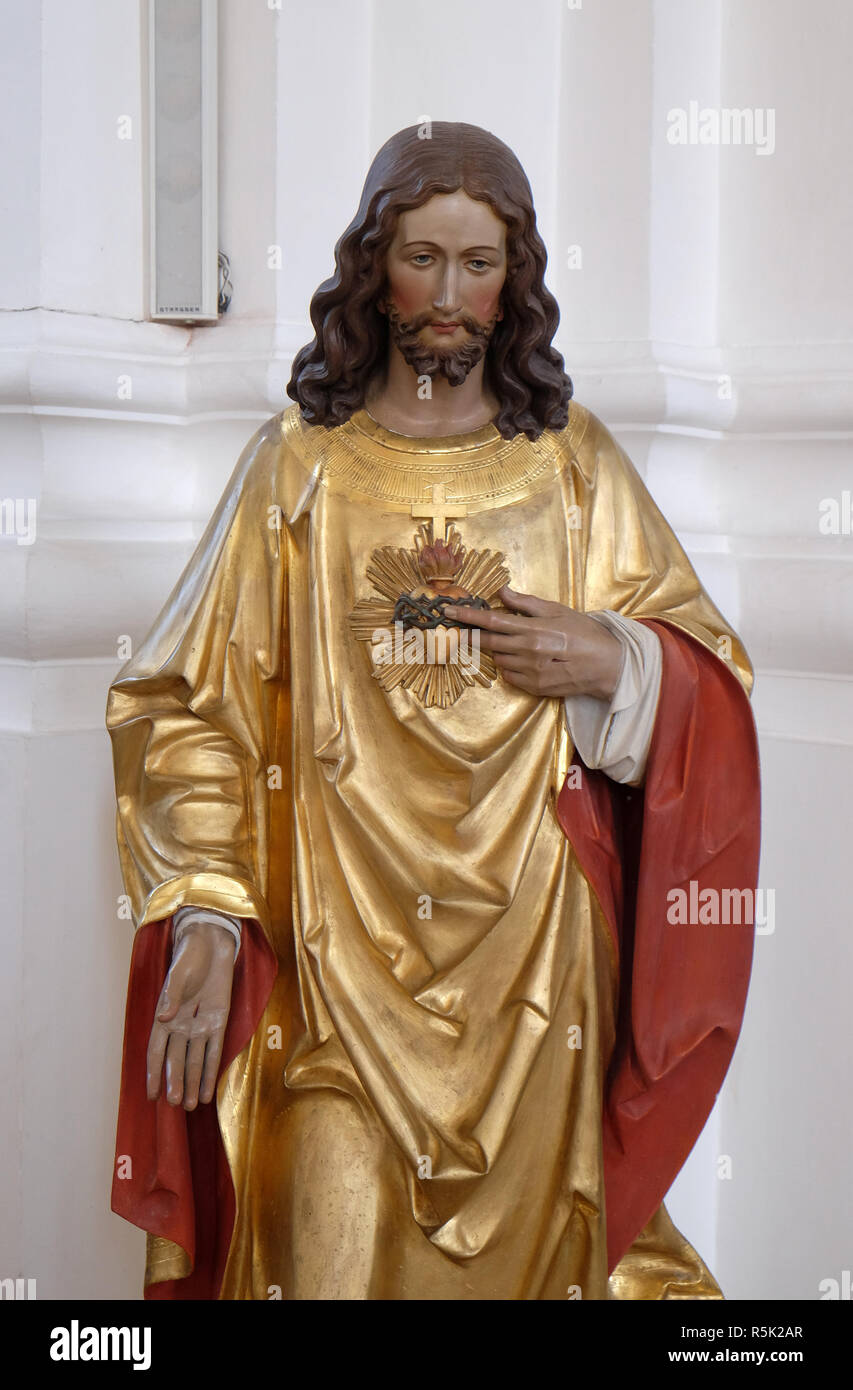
point(453, 364)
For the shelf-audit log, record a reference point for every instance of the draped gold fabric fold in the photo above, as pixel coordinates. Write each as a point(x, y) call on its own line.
point(193, 715)
point(164, 1260)
point(419, 1114)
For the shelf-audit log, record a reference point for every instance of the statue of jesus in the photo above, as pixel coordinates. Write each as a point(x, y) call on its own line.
point(434, 730)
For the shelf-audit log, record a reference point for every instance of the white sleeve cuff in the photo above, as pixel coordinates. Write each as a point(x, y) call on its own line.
point(616, 738)
point(185, 915)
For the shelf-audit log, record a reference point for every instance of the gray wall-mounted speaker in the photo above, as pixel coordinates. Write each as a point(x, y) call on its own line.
point(182, 184)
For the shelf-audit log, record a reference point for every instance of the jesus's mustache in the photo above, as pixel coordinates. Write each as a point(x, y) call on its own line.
point(453, 363)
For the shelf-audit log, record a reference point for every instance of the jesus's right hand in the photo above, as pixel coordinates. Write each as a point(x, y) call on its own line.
point(191, 1014)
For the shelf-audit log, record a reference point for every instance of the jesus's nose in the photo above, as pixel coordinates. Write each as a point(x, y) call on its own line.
point(447, 298)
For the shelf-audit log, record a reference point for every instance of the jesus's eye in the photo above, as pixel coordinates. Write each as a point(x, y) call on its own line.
point(420, 257)
point(479, 263)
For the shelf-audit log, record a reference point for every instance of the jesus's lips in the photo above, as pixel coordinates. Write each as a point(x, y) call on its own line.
point(445, 327)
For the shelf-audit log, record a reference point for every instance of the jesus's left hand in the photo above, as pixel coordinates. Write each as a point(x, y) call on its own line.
point(546, 648)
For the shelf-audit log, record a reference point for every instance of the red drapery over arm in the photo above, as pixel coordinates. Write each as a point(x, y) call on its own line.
point(683, 987)
point(180, 1183)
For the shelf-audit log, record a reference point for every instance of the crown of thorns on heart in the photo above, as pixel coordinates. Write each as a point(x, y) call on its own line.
point(438, 564)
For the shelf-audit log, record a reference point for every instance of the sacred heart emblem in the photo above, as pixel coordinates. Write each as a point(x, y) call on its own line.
point(413, 645)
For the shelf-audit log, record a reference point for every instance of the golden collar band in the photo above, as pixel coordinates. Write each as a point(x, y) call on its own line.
point(362, 458)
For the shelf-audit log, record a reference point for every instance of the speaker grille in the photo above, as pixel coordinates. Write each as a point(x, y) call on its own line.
point(183, 159)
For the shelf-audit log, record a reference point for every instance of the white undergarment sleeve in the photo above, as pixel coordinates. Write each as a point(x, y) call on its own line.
point(615, 738)
point(185, 915)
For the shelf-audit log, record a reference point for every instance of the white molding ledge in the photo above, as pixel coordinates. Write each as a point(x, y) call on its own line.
point(69, 696)
point(804, 708)
point(68, 364)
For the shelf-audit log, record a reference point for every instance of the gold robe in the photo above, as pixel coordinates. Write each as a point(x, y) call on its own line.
point(421, 1126)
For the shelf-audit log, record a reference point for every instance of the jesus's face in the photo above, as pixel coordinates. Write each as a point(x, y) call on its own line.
point(445, 271)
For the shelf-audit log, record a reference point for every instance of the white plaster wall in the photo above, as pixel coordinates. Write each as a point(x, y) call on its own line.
point(698, 265)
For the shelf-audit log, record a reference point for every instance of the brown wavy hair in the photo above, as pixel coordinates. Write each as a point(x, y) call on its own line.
point(331, 374)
